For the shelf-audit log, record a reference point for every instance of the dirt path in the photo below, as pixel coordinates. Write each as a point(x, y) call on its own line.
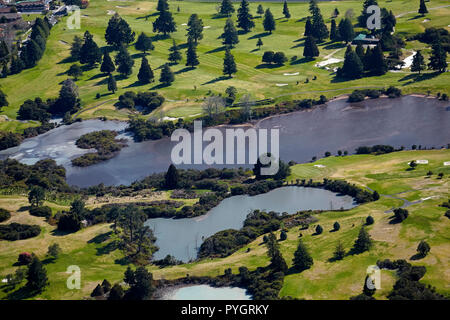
point(90, 108)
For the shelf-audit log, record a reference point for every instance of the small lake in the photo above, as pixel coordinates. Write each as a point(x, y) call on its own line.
point(337, 126)
point(206, 292)
point(181, 238)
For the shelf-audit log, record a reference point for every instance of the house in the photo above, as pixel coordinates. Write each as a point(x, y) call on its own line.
point(365, 40)
point(32, 6)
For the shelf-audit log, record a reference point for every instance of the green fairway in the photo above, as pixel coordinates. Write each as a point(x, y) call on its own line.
point(185, 95)
point(325, 280)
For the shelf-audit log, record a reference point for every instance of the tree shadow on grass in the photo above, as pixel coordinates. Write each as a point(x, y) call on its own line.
point(148, 16)
point(101, 237)
point(219, 49)
point(185, 69)
point(160, 86)
point(136, 84)
point(259, 35)
point(333, 45)
point(160, 37)
point(108, 248)
point(415, 77)
point(122, 261)
point(302, 60)
point(217, 79)
point(21, 294)
point(267, 66)
point(98, 75)
point(417, 256)
point(24, 208)
point(417, 16)
point(66, 60)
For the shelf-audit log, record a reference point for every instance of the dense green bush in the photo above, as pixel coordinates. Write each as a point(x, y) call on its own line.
point(42, 211)
point(16, 231)
point(4, 215)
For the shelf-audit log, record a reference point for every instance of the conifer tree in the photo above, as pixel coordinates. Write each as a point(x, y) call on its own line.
point(107, 64)
point(319, 29)
point(418, 63)
point(269, 21)
point(438, 58)
point(36, 276)
point(191, 55)
point(346, 31)
point(145, 74)
point(259, 44)
point(302, 259)
point(144, 43)
point(334, 34)
point(378, 61)
point(172, 177)
point(308, 27)
point(244, 18)
point(124, 61)
point(286, 12)
point(167, 76)
point(90, 53)
point(277, 261)
point(226, 8)
point(339, 251)
point(164, 23)
point(118, 31)
point(260, 10)
point(353, 67)
point(195, 28)
point(112, 86)
point(310, 50)
point(423, 8)
point(230, 34)
point(229, 66)
point(75, 48)
point(362, 19)
point(175, 54)
point(162, 5)
point(363, 242)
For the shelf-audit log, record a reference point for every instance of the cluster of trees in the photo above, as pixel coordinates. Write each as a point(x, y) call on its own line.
point(284, 170)
point(358, 63)
point(376, 149)
point(343, 187)
point(147, 101)
point(400, 214)
point(278, 58)
point(4, 215)
point(165, 23)
point(103, 141)
point(150, 130)
point(16, 231)
point(315, 26)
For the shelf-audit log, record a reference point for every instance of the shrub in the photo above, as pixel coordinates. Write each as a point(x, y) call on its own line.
point(283, 235)
point(400, 214)
point(42, 211)
point(16, 231)
point(423, 248)
point(336, 226)
point(4, 215)
point(356, 96)
point(319, 229)
point(369, 220)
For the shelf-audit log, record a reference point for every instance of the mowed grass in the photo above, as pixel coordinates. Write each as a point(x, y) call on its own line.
point(90, 248)
point(185, 95)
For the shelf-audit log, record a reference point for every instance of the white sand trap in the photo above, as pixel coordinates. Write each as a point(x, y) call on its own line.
point(281, 84)
point(291, 74)
point(420, 162)
point(121, 7)
point(319, 166)
point(408, 61)
point(110, 12)
point(426, 20)
point(184, 24)
point(206, 27)
point(327, 62)
point(447, 163)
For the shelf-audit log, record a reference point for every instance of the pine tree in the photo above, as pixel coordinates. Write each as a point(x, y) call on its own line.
point(144, 43)
point(162, 5)
point(145, 74)
point(334, 34)
point(4, 52)
point(423, 8)
point(346, 31)
point(269, 21)
point(229, 66)
point(310, 50)
point(259, 44)
point(379, 65)
point(36, 276)
point(118, 31)
point(164, 23)
point(418, 63)
point(191, 55)
point(75, 71)
point(423, 248)
point(16, 65)
point(260, 10)
point(319, 29)
point(124, 61)
point(172, 177)
point(167, 76)
point(363, 242)
point(339, 252)
point(336, 226)
point(438, 58)
point(277, 261)
point(112, 86)
point(360, 51)
point(75, 48)
point(230, 34)
point(286, 12)
point(107, 64)
point(175, 54)
point(116, 292)
point(98, 291)
point(244, 18)
point(90, 53)
point(195, 28)
point(226, 8)
point(308, 27)
point(31, 54)
point(302, 259)
point(335, 13)
point(353, 67)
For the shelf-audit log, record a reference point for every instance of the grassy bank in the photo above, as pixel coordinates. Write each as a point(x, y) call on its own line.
point(388, 174)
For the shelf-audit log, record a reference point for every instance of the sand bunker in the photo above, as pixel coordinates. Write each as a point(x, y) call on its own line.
point(281, 84)
point(319, 166)
point(447, 163)
point(426, 20)
point(420, 162)
point(327, 62)
point(206, 27)
point(110, 12)
point(291, 74)
point(184, 24)
point(408, 61)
